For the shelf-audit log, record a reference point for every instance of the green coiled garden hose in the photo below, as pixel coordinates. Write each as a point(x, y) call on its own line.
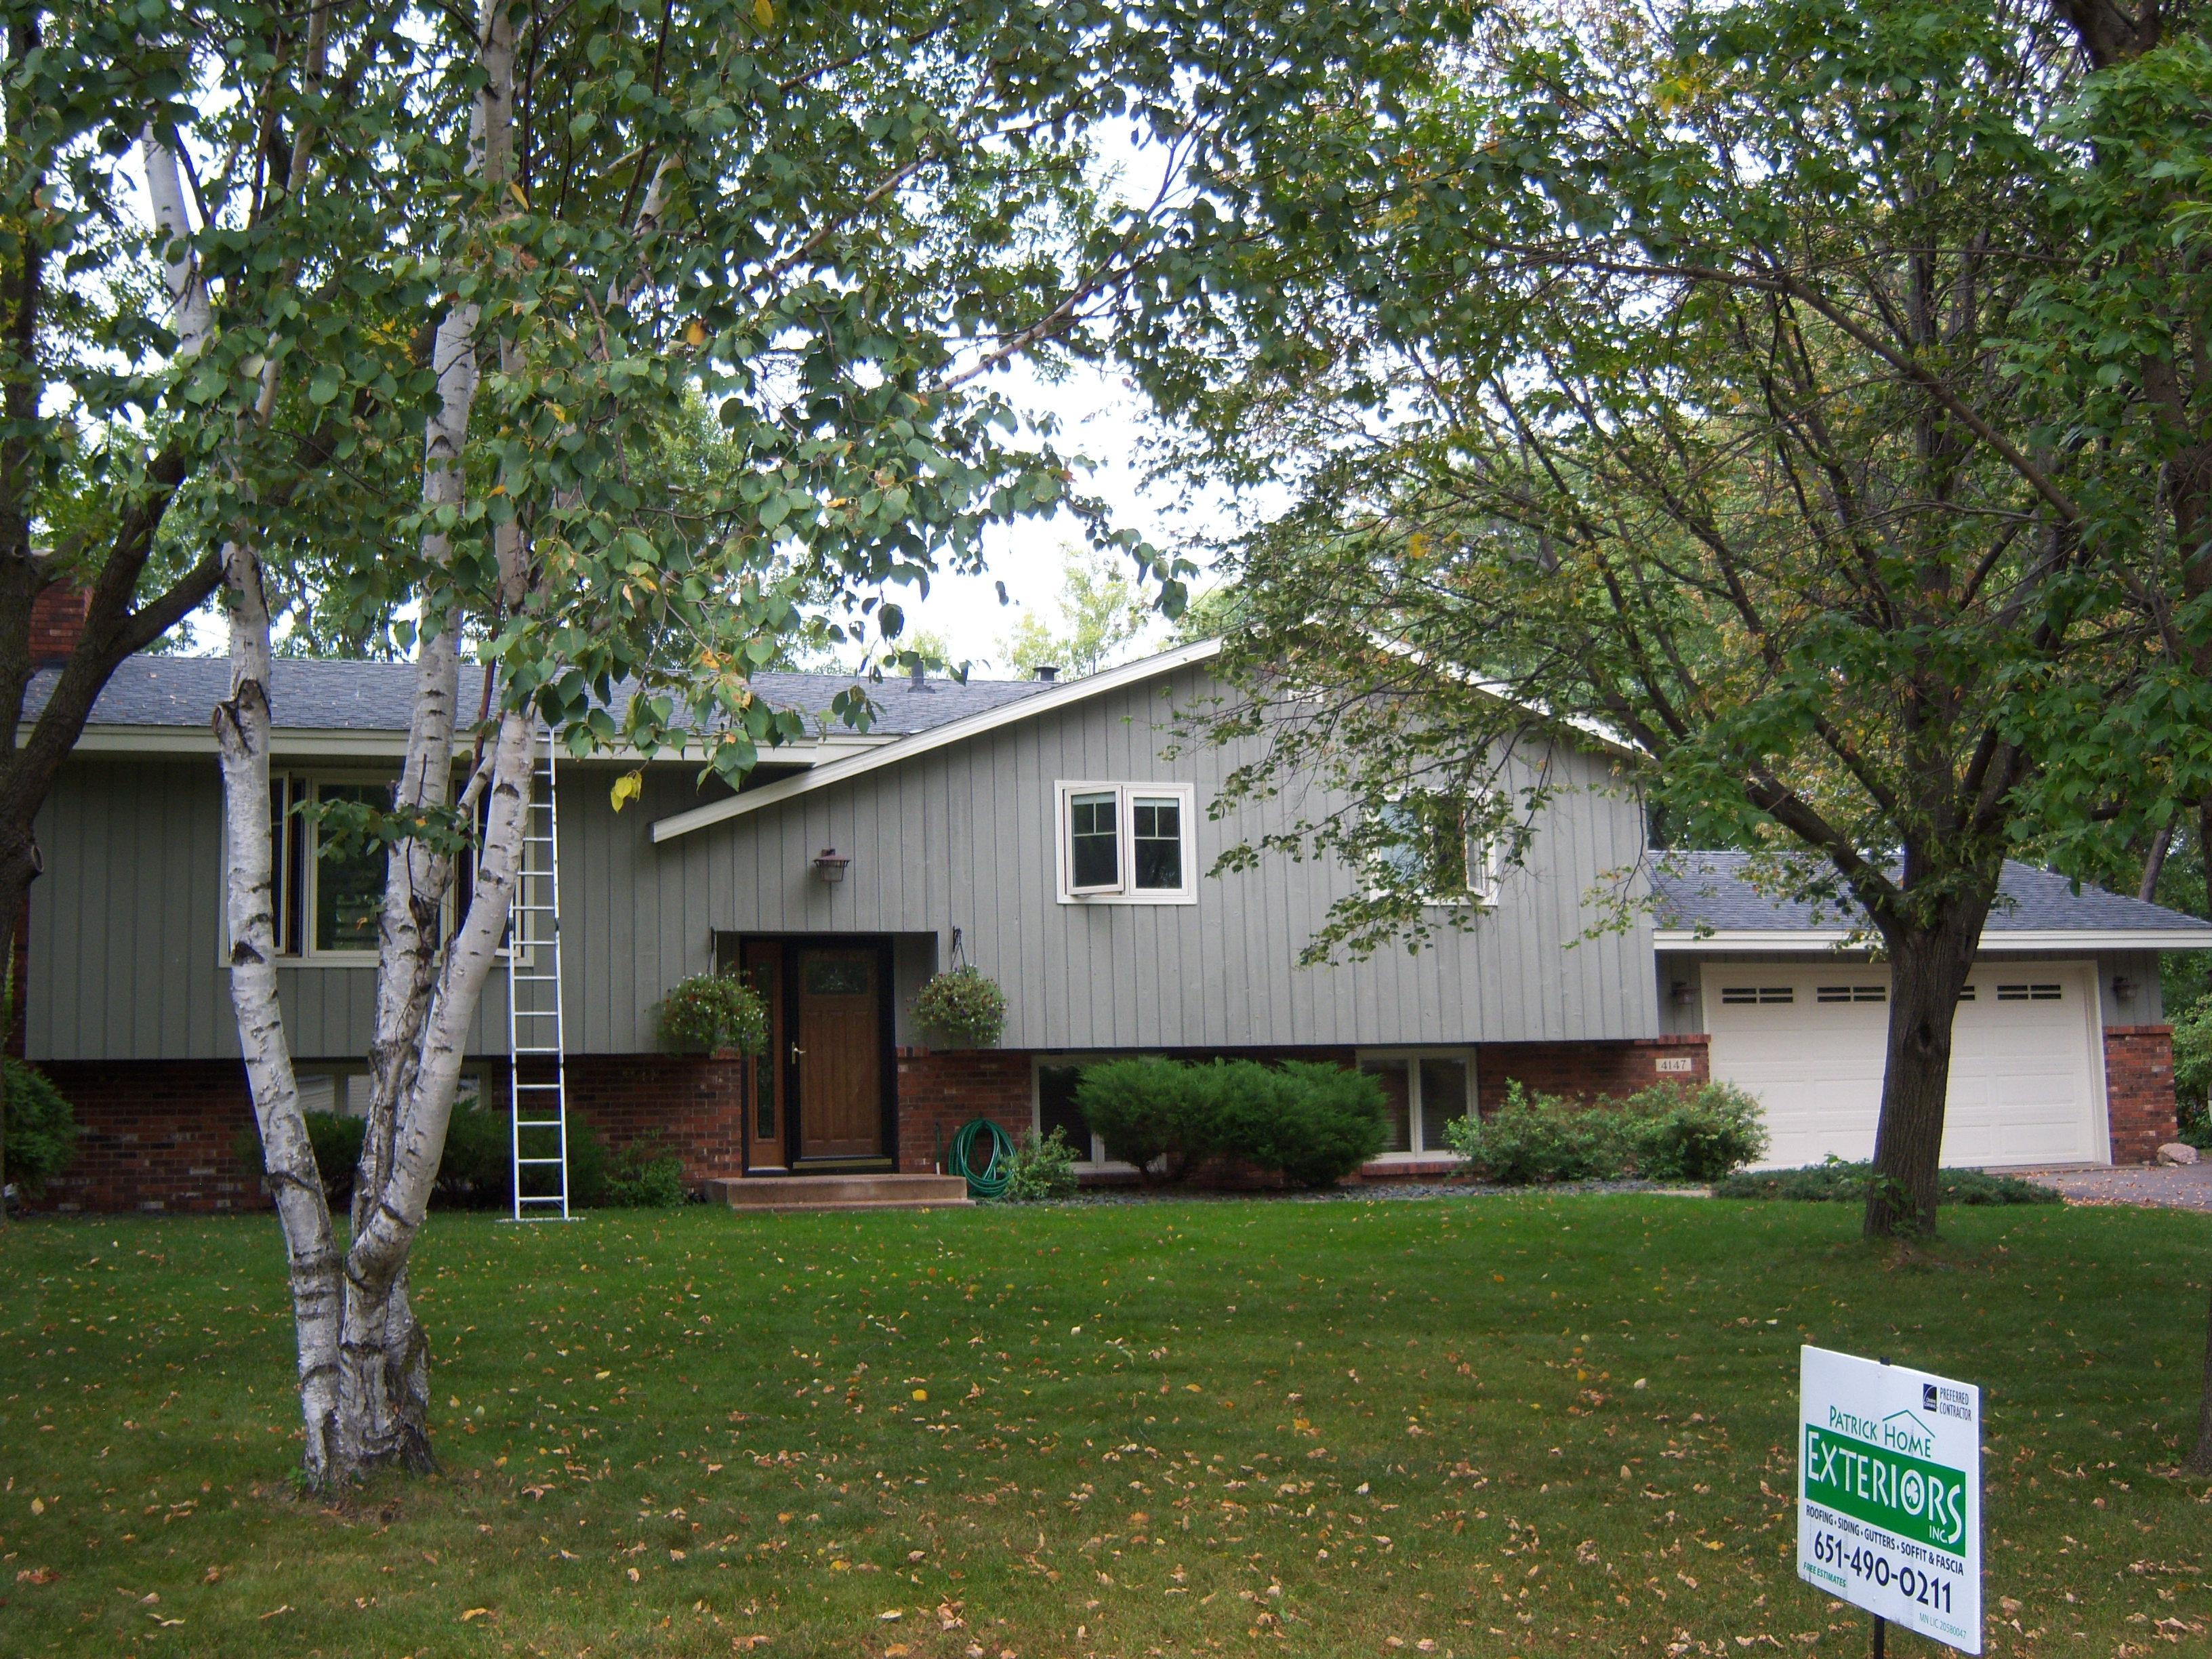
point(986, 1178)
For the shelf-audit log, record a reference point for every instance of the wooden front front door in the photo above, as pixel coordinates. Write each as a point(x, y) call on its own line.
point(836, 1049)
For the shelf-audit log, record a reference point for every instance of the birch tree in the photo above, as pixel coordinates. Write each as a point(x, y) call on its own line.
point(833, 226)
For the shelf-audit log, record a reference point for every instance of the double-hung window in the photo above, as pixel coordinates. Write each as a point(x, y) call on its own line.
point(1126, 843)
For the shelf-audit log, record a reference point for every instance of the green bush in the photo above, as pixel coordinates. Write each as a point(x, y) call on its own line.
point(336, 1140)
point(1662, 1134)
point(709, 1012)
point(963, 1007)
point(1044, 1167)
point(1161, 1115)
point(1838, 1182)
point(644, 1175)
point(1692, 1135)
point(2192, 1071)
point(1315, 1123)
point(40, 1130)
point(1534, 1139)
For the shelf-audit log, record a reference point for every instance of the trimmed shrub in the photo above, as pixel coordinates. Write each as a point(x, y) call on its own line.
point(1535, 1139)
point(1043, 1168)
point(1315, 1123)
point(1838, 1182)
point(1161, 1115)
point(644, 1175)
point(40, 1129)
point(709, 1012)
point(1692, 1135)
point(963, 1007)
point(1661, 1134)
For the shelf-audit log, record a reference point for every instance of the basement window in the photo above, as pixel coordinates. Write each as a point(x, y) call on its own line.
point(1422, 1094)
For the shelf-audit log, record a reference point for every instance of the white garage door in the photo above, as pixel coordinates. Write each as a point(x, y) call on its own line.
point(1808, 1042)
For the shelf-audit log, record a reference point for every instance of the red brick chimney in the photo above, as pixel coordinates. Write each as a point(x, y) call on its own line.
point(57, 617)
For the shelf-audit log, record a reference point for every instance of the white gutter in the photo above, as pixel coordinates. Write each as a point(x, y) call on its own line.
point(922, 743)
point(1809, 940)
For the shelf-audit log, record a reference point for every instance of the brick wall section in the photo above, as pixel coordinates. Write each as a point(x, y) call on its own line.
point(694, 1105)
point(158, 1135)
point(940, 1090)
point(2139, 1091)
point(1586, 1068)
point(57, 615)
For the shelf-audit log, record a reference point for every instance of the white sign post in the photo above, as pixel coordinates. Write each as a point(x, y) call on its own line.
point(1889, 1494)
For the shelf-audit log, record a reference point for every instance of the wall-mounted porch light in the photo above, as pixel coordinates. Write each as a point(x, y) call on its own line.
point(830, 864)
point(2123, 988)
point(1685, 993)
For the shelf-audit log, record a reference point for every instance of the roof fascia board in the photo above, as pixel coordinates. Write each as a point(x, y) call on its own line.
point(2007, 941)
point(942, 736)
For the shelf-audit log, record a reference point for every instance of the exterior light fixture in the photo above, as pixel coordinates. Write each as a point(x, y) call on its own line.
point(1685, 993)
point(2123, 988)
point(830, 864)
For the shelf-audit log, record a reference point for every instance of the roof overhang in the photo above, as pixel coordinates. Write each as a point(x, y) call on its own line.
point(308, 743)
point(940, 736)
point(2007, 941)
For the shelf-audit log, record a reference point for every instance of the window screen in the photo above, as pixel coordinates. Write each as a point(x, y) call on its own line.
point(1093, 846)
point(1056, 1106)
point(1443, 1099)
point(349, 884)
point(1397, 1102)
point(1158, 827)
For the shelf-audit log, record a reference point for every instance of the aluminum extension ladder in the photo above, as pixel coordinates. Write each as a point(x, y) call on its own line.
point(538, 1084)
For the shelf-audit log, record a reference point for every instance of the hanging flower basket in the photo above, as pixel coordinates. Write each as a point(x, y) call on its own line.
point(712, 1013)
point(962, 1008)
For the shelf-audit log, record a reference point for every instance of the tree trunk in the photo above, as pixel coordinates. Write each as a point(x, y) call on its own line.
point(2200, 1459)
point(1928, 969)
point(383, 1355)
point(241, 727)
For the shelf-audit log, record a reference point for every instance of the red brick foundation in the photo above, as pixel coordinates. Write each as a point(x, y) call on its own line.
point(2139, 1091)
point(179, 1135)
point(939, 1091)
point(1586, 1068)
point(158, 1135)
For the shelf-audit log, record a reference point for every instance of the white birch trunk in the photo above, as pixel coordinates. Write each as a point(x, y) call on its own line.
point(427, 993)
point(241, 727)
point(384, 1359)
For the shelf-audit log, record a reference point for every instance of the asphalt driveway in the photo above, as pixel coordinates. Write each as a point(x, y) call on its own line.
point(2154, 1186)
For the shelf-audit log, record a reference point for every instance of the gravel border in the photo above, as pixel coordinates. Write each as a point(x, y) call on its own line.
point(1369, 1192)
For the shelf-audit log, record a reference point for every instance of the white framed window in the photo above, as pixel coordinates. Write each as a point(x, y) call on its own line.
point(328, 902)
point(1126, 843)
point(1424, 846)
point(1424, 1090)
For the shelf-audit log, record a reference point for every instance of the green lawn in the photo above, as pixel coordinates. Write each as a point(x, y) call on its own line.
point(1471, 1426)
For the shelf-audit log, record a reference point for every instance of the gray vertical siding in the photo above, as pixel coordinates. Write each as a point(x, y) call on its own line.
point(965, 836)
point(126, 930)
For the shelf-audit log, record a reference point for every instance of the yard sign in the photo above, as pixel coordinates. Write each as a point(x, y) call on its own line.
point(1889, 1494)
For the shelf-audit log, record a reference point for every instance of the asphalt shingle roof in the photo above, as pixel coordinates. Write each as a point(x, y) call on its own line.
point(1711, 891)
point(157, 691)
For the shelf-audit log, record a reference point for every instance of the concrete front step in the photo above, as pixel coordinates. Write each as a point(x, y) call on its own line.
point(777, 1194)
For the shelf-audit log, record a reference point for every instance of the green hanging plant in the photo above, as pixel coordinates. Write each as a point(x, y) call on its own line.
point(963, 1007)
point(708, 1013)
